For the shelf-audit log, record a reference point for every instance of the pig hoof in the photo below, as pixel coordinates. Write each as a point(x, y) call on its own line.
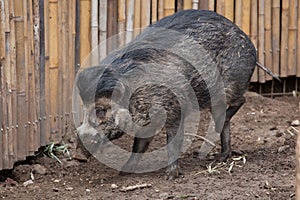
point(122, 173)
point(173, 173)
point(224, 156)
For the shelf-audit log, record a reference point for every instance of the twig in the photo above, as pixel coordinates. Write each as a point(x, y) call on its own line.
point(201, 137)
point(134, 187)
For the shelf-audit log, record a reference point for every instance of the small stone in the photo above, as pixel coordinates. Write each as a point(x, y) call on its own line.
point(39, 169)
point(56, 181)
point(88, 190)
point(69, 188)
point(55, 190)
point(114, 186)
point(69, 163)
point(295, 123)
point(26, 183)
point(283, 148)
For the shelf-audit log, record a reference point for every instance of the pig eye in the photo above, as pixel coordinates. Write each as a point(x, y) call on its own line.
point(101, 112)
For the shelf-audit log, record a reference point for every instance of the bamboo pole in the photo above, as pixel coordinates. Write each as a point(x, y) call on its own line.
point(221, 7)
point(275, 36)
point(154, 11)
point(137, 18)
point(44, 118)
point(4, 160)
point(229, 10)
point(238, 12)
point(203, 5)
point(94, 31)
point(21, 81)
point(292, 35)
point(102, 28)
point(261, 40)
point(195, 4)
point(211, 5)
point(179, 5)
point(298, 43)
point(112, 28)
point(169, 7)
point(130, 20)
point(146, 16)
point(254, 32)
point(268, 35)
point(11, 61)
point(246, 16)
point(187, 4)
point(121, 22)
point(161, 9)
point(2, 65)
point(85, 39)
point(284, 39)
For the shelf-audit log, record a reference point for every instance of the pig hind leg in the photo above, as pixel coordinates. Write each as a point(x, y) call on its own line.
point(174, 143)
point(140, 146)
point(225, 131)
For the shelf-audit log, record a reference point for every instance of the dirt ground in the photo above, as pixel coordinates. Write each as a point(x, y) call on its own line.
point(264, 130)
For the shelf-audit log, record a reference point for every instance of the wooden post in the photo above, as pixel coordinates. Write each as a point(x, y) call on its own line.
point(195, 4)
point(221, 7)
point(112, 21)
point(246, 16)
point(179, 5)
point(298, 42)
point(238, 12)
point(85, 39)
point(229, 9)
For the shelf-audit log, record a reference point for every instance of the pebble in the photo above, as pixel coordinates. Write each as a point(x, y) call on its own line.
point(114, 186)
point(295, 123)
point(69, 188)
point(283, 148)
point(26, 183)
point(40, 169)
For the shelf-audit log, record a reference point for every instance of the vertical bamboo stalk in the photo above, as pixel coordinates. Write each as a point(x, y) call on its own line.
point(169, 7)
point(85, 39)
point(275, 36)
point(3, 115)
point(102, 28)
point(154, 11)
point(130, 20)
point(254, 32)
point(179, 5)
point(298, 45)
point(44, 118)
point(292, 34)
point(94, 31)
point(229, 10)
point(195, 4)
point(112, 28)
point(284, 39)
point(137, 18)
point(21, 81)
point(268, 35)
point(54, 66)
point(246, 16)
point(261, 40)
point(238, 12)
point(203, 5)
point(211, 5)
point(221, 7)
point(11, 61)
point(145, 17)
point(160, 9)
point(187, 4)
point(121, 22)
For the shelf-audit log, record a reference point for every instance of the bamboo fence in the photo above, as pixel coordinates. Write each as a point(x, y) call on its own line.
point(43, 43)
